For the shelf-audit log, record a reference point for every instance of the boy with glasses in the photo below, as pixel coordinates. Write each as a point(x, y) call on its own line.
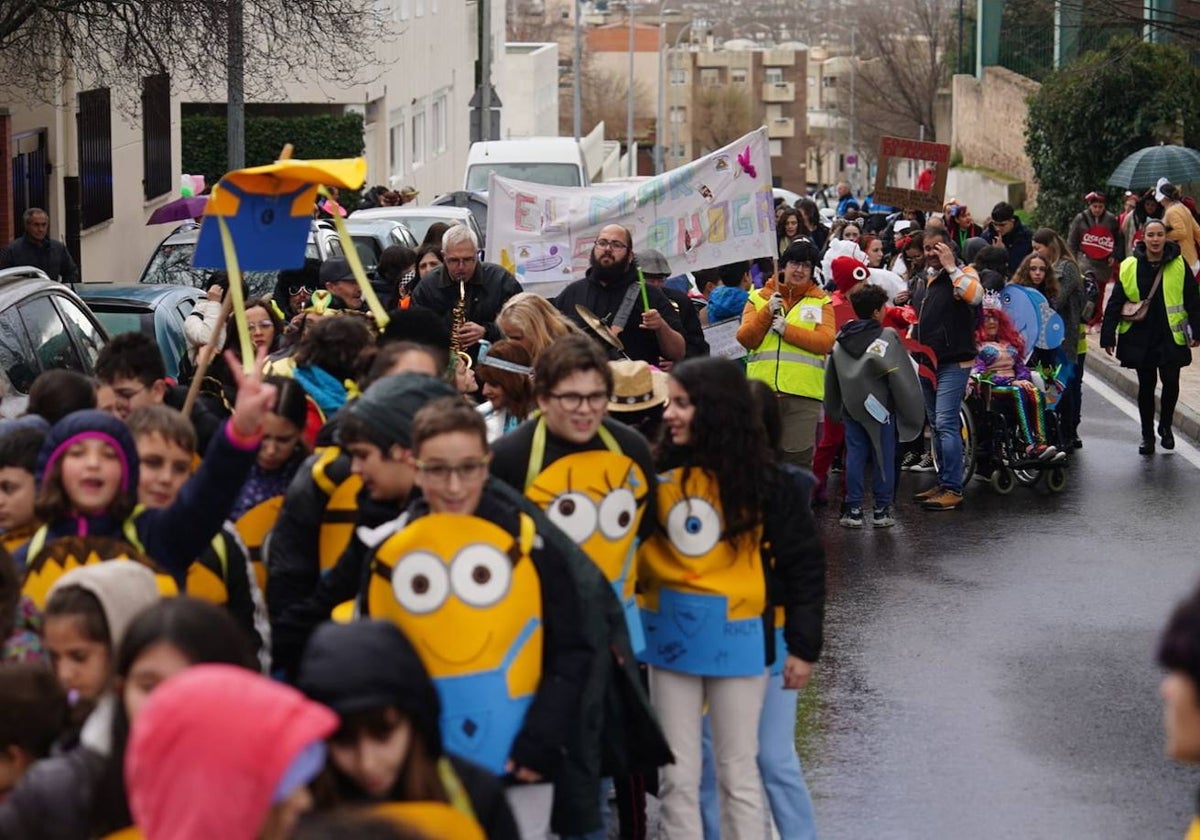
point(611, 290)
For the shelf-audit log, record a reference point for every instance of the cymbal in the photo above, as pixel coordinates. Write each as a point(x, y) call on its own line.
point(599, 327)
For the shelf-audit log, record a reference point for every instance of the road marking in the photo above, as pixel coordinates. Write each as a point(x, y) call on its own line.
point(1183, 448)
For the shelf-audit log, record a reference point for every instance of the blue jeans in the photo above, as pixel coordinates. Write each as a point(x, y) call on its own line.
point(791, 804)
point(860, 451)
point(942, 410)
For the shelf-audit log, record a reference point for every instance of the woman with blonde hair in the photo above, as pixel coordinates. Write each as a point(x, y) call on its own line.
point(533, 322)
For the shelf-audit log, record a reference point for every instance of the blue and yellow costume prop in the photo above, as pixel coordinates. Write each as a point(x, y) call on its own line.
point(704, 597)
point(598, 499)
point(467, 595)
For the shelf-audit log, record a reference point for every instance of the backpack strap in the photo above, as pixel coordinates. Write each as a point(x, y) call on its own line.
point(537, 450)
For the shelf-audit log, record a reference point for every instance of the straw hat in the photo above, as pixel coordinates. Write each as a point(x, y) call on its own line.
point(636, 386)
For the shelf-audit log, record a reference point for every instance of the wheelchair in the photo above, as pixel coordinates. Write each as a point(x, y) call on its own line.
point(993, 447)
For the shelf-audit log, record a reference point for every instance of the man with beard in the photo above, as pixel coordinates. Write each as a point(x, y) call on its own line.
point(483, 287)
point(611, 291)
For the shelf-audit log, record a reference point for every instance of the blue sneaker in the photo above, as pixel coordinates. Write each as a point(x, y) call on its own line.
point(883, 518)
point(852, 517)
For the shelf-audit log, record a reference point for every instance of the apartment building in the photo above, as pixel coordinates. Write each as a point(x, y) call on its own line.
point(714, 94)
point(415, 104)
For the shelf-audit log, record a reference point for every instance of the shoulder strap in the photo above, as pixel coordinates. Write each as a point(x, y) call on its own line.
point(626, 306)
point(460, 800)
point(537, 449)
point(129, 529)
point(1157, 280)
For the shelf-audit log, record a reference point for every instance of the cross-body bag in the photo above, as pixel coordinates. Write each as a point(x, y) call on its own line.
point(1136, 310)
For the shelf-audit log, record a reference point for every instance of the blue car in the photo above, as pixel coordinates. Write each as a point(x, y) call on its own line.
point(156, 310)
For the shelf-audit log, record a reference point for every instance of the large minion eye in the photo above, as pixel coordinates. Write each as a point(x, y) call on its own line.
point(860, 273)
point(617, 513)
point(694, 527)
point(575, 513)
point(481, 575)
point(420, 582)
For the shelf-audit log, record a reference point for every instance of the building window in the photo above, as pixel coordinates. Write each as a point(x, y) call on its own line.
point(420, 8)
point(95, 156)
point(776, 147)
point(402, 11)
point(396, 150)
point(737, 75)
point(679, 150)
point(678, 114)
point(157, 172)
point(710, 76)
point(418, 139)
point(774, 75)
point(679, 76)
point(438, 124)
point(829, 81)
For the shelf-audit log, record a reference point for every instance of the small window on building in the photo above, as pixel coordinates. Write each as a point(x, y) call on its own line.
point(710, 76)
point(157, 172)
point(678, 114)
point(829, 81)
point(418, 139)
point(420, 8)
point(95, 156)
point(679, 76)
point(774, 75)
point(737, 75)
point(776, 148)
point(438, 124)
point(396, 150)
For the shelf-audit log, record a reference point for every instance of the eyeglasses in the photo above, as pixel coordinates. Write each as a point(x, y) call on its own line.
point(299, 290)
point(261, 325)
point(796, 266)
point(468, 472)
point(125, 395)
point(572, 401)
point(611, 245)
point(459, 260)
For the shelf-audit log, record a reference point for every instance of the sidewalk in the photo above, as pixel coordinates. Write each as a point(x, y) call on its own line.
point(1187, 413)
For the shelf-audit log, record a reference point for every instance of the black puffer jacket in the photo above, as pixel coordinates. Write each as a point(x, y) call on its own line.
point(487, 290)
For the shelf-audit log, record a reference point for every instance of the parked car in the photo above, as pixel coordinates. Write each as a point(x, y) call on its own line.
point(171, 262)
point(419, 219)
point(156, 310)
point(43, 326)
point(372, 236)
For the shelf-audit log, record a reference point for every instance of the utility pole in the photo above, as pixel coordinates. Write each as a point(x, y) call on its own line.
point(235, 114)
point(577, 72)
point(629, 99)
point(485, 70)
point(658, 120)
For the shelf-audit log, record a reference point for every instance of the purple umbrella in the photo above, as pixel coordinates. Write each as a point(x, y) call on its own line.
point(181, 209)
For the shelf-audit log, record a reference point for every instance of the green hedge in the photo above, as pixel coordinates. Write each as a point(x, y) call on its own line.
point(205, 144)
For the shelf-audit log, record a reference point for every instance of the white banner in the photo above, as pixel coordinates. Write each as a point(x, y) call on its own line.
point(715, 210)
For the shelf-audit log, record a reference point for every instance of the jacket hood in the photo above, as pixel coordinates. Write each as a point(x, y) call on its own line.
point(85, 425)
point(857, 336)
point(367, 665)
point(1170, 250)
point(209, 749)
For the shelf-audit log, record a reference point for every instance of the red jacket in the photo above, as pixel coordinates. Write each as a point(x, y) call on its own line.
point(209, 748)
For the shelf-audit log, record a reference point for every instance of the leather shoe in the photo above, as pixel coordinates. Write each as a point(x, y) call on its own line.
point(1168, 439)
point(1147, 447)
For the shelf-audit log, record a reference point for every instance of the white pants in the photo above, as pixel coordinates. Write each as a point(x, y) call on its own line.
point(531, 806)
point(734, 708)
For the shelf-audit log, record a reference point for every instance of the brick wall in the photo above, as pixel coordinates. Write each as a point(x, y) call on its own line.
point(989, 123)
point(6, 187)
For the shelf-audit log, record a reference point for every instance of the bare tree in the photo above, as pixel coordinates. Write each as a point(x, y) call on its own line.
point(123, 41)
point(605, 99)
point(723, 114)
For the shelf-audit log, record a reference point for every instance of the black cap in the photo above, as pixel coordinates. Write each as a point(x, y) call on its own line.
point(389, 405)
point(335, 269)
point(366, 665)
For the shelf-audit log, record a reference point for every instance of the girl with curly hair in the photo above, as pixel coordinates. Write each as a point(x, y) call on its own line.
point(1036, 272)
point(735, 543)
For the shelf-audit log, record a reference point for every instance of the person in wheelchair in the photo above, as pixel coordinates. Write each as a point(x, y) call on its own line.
point(1000, 365)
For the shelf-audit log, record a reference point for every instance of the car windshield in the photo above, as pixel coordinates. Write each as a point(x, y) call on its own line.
point(172, 266)
point(118, 323)
point(368, 250)
point(556, 174)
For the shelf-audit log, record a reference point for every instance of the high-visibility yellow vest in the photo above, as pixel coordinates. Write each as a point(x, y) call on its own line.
point(1172, 286)
point(789, 369)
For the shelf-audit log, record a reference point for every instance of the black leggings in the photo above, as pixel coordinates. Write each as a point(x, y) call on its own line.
point(1147, 379)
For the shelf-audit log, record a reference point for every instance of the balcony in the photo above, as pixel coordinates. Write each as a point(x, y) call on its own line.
point(706, 58)
point(778, 92)
point(778, 58)
point(781, 127)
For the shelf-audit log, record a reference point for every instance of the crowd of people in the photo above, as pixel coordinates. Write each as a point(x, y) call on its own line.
point(476, 572)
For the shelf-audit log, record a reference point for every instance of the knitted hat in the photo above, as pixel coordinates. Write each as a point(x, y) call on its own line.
point(123, 588)
point(848, 273)
point(85, 425)
point(389, 405)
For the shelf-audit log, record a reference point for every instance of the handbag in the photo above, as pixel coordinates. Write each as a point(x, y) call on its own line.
point(1134, 311)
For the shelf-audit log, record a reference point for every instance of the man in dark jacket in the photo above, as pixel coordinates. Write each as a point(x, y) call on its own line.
point(1006, 229)
point(656, 270)
point(946, 300)
point(483, 288)
point(37, 249)
point(612, 292)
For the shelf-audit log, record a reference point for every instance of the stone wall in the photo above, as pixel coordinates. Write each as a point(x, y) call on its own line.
point(989, 124)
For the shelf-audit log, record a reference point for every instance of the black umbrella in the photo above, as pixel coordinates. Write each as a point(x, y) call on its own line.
point(1143, 168)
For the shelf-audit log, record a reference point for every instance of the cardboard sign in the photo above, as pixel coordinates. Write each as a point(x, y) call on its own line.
point(722, 339)
point(714, 210)
point(935, 154)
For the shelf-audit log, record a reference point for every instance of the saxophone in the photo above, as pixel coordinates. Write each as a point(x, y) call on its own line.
point(458, 317)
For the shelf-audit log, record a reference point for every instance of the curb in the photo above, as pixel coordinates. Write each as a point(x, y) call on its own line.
point(1186, 421)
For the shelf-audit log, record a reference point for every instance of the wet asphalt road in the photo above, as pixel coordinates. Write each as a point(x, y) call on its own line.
point(989, 673)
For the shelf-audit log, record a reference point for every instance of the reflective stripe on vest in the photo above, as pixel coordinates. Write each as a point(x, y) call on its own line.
point(1172, 288)
point(789, 369)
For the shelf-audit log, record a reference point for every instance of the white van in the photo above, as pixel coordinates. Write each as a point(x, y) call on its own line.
point(542, 160)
